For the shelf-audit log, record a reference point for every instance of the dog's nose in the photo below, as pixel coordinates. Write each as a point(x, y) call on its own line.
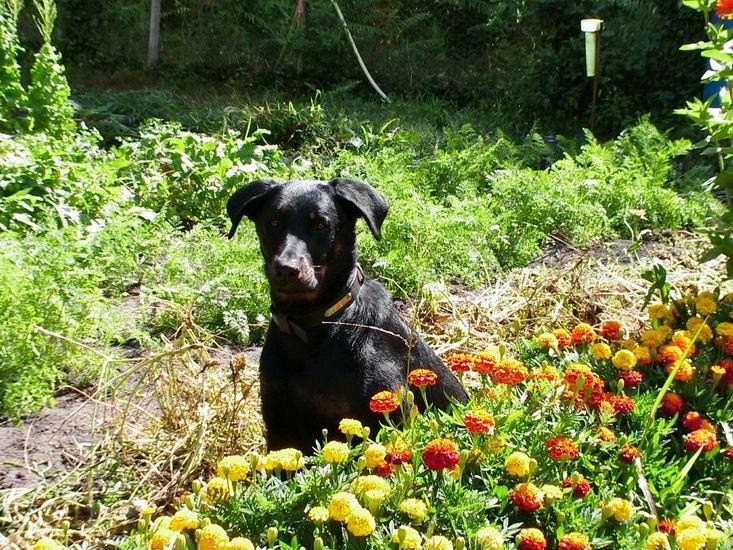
point(286, 269)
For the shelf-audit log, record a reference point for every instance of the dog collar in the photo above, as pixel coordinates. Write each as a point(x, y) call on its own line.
point(299, 324)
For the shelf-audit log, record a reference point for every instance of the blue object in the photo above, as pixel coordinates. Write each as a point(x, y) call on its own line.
point(712, 89)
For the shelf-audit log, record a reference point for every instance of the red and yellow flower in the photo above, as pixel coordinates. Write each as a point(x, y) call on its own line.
point(611, 330)
point(527, 497)
point(510, 372)
point(441, 454)
point(384, 402)
point(422, 378)
point(562, 448)
point(479, 421)
point(627, 453)
point(581, 486)
point(672, 403)
point(574, 541)
point(583, 334)
point(702, 438)
point(531, 539)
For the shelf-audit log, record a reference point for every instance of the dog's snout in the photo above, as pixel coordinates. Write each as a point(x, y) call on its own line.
point(286, 268)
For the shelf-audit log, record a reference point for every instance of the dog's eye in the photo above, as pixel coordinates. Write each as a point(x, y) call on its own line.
point(320, 226)
point(274, 223)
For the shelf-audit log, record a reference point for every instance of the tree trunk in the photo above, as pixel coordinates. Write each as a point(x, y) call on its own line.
point(154, 33)
point(300, 29)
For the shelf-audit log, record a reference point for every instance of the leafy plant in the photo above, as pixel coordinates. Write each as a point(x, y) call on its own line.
point(49, 92)
point(12, 94)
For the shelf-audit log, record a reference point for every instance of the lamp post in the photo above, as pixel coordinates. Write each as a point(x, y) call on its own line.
point(592, 29)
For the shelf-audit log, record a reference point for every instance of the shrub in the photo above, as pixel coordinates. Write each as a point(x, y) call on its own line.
point(188, 176)
point(12, 94)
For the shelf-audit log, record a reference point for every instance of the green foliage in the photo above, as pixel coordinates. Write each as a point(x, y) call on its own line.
point(42, 286)
point(44, 179)
point(48, 95)
point(189, 176)
point(12, 94)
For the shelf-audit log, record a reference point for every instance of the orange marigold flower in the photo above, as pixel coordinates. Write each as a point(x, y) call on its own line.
point(605, 434)
point(627, 453)
point(581, 487)
point(631, 378)
point(545, 372)
point(384, 402)
point(460, 362)
point(531, 539)
point(527, 497)
point(692, 421)
point(441, 454)
point(574, 541)
point(622, 404)
point(510, 372)
point(547, 340)
point(422, 378)
point(669, 354)
point(583, 333)
point(643, 356)
point(685, 370)
point(668, 526)
point(485, 362)
point(672, 403)
point(728, 454)
point(684, 343)
point(705, 439)
point(563, 337)
point(611, 330)
point(562, 448)
point(479, 421)
point(590, 392)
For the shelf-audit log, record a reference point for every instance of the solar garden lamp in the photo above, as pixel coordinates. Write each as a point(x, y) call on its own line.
point(592, 29)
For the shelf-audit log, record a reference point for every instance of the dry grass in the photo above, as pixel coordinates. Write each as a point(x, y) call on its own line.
point(158, 422)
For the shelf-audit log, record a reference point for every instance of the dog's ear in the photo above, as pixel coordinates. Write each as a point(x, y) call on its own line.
point(365, 200)
point(247, 200)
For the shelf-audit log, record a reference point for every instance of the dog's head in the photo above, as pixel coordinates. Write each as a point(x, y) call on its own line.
point(306, 231)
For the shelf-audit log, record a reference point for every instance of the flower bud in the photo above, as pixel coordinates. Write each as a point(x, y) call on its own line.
point(361, 463)
point(620, 384)
point(196, 485)
point(707, 509)
point(532, 466)
point(65, 525)
point(324, 433)
point(318, 544)
point(365, 432)
point(190, 502)
point(414, 411)
point(460, 543)
point(643, 529)
point(410, 397)
point(400, 394)
point(560, 518)
point(435, 427)
point(142, 524)
point(271, 535)
point(181, 542)
point(652, 522)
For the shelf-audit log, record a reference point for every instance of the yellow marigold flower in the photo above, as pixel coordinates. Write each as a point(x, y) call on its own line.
point(705, 304)
point(184, 519)
point(351, 427)
point(642, 354)
point(362, 484)
point(601, 351)
point(375, 454)
point(666, 331)
point(496, 445)
point(415, 508)
point(213, 537)
point(689, 521)
point(360, 523)
point(218, 489)
point(652, 338)
point(161, 539)
point(657, 541)
point(319, 514)
point(234, 467)
point(630, 344)
point(411, 539)
point(695, 324)
point(490, 538)
point(517, 464)
point(163, 522)
point(621, 509)
point(724, 329)
point(552, 493)
point(290, 460)
point(658, 312)
point(624, 359)
point(342, 505)
point(240, 543)
point(438, 542)
point(336, 452)
point(49, 544)
point(691, 539)
point(547, 340)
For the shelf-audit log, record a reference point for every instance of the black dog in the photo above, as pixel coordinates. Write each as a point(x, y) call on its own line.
point(335, 338)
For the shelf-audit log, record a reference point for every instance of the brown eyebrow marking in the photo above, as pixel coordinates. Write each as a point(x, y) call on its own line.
point(312, 216)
